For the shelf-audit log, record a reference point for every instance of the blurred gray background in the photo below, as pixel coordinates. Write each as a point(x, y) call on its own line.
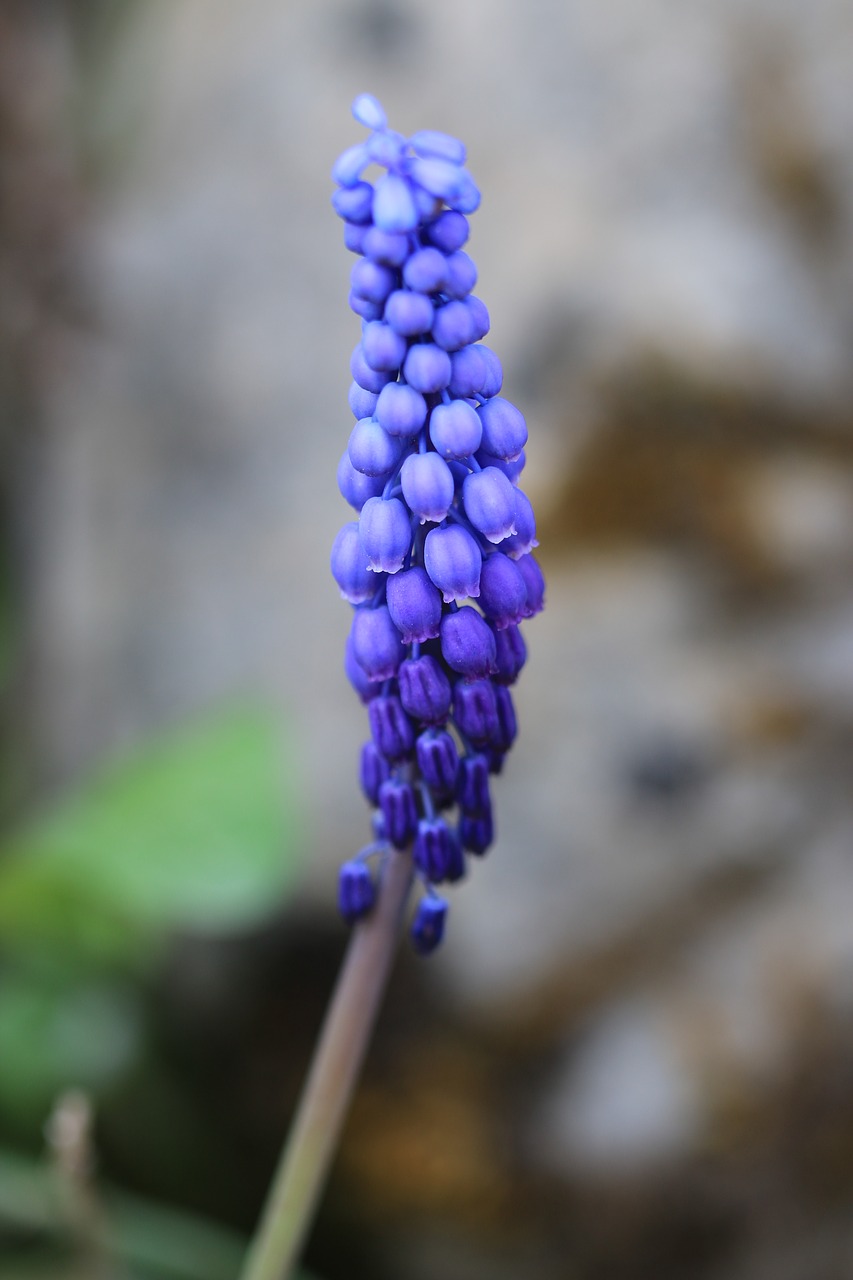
point(661, 942)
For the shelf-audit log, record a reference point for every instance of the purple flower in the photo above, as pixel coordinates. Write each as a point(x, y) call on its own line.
point(434, 444)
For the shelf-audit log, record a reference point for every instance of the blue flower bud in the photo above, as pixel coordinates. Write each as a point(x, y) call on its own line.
point(387, 148)
point(349, 165)
point(461, 275)
point(455, 429)
point(480, 322)
point(507, 731)
point(361, 307)
point(524, 539)
point(512, 470)
point(414, 604)
point(456, 861)
point(503, 591)
point(356, 890)
point(424, 690)
point(438, 760)
point(475, 711)
point(377, 822)
point(449, 231)
point(355, 236)
point(440, 178)
point(397, 802)
point(376, 643)
point(408, 313)
point(504, 428)
point(432, 848)
point(354, 203)
point(373, 771)
point(468, 374)
point(476, 834)
point(356, 674)
point(425, 271)
point(452, 559)
point(495, 375)
point(467, 198)
point(391, 727)
point(386, 534)
point(362, 402)
point(429, 142)
point(372, 281)
point(371, 450)
point(349, 566)
point(467, 643)
point(472, 786)
point(390, 248)
point(400, 410)
point(428, 924)
point(383, 349)
point(368, 111)
point(394, 207)
point(535, 584)
point(489, 500)
point(428, 487)
point(426, 367)
point(355, 487)
point(510, 655)
point(367, 378)
point(453, 327)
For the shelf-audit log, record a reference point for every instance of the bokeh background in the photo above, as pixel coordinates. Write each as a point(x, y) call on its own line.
point(633, 1056)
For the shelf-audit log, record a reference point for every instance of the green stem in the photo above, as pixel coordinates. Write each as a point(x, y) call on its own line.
point(308, 1153)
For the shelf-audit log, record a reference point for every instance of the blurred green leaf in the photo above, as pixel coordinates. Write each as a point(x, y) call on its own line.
point(196, 831)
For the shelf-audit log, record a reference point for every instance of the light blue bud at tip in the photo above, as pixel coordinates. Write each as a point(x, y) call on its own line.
point(368, 111)
point(394, 207)
point(348, 166)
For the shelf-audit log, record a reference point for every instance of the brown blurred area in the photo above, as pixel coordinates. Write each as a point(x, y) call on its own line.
point(633, 1056)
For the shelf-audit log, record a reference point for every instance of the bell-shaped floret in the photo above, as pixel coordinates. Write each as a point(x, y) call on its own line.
point(424, 690)
point(535, 584)
point(371, 450)
point(367, 378)
point(467, 643)
point(438, 760)
point(376, 643)
point(523, 540)
point(389, 248)
point(391, 727)
point(455, 429)
point(372, 281)
point(475, 711)
point(354, 203)
point(503, 591)
point(414, 603)
point(425, 271)
point(400, 410)
point(472, 785)
point(511, 654)
point(385, 533)
point(426, 368)
point(384, 350)
point(432, 848)
point(408, 313)
point(449, 231)
point(394, 207)
point(356, 890)
point(489, 501)
point(480, 322)
point(355, 486)
point(504, 428)
point(453, 326)
point(452, 559)
point(507, 731)
point(361, 402)
point(476, 834)
point(428, 924)
point(373, 771)
point(461, 275)
point(349, 566)
point(397, 802)
point(428, 486)
point(468, 373)
point(356, 674)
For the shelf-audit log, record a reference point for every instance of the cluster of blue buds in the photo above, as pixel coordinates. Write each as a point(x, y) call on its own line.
point(432, 469)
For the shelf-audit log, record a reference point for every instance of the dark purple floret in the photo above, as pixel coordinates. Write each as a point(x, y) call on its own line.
point(523, 540)
point(503, 591)
point(376, 643)
point(428, 924)
point(397, 802)
point(356, 890)
point(432, 848)
point(456, 860)
point(414, 604)
point(475, 711)
point(424, 690)
point(449, 231)
point(535, 584)
point(391, 728)
point(507, 723)
point(510, 654)
point(438, 760)
point(476, 834)
point(472, 785)
point(390, 248)
point(374, 770)
point(467, 643)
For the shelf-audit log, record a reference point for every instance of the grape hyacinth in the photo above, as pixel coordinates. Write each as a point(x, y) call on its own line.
point(438, 568)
